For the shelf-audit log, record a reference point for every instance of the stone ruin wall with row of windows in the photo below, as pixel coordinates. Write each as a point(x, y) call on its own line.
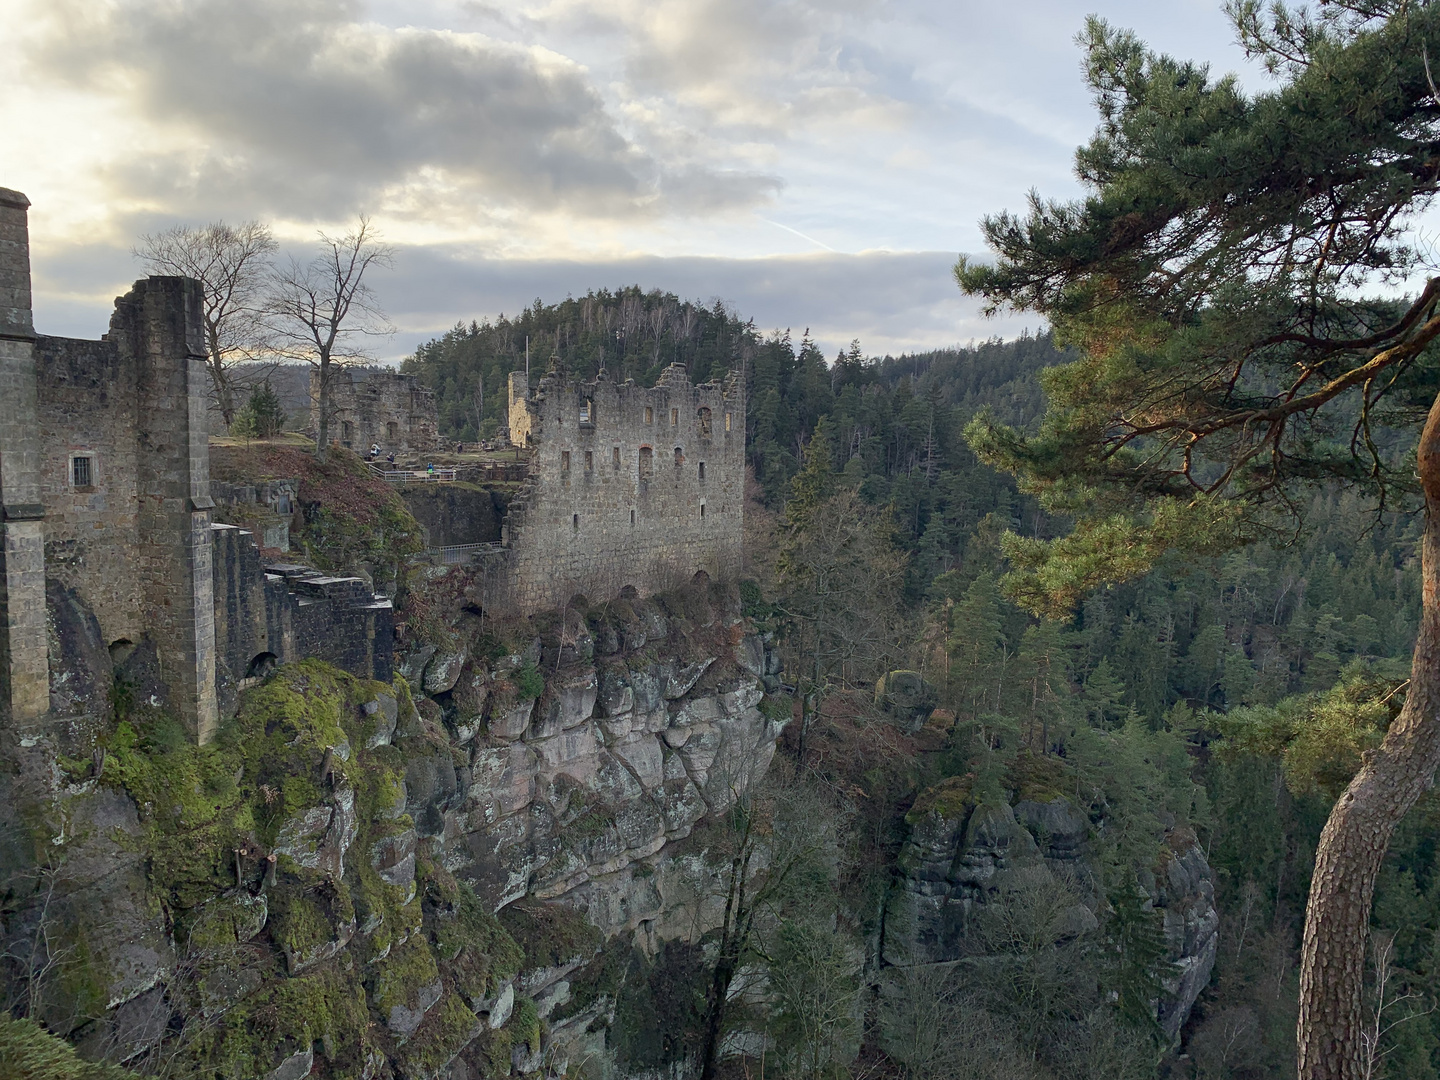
point(629, 486)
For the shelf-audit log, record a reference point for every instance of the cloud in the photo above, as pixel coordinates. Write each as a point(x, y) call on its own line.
point(301, 107)
point(893, 302)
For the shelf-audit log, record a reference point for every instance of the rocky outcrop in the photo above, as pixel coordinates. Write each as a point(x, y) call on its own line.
point(965, 856)
point(315, 893)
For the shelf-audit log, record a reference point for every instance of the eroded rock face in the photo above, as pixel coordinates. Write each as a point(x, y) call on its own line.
point(962, 857)
point(607, 768)
point(545, 773)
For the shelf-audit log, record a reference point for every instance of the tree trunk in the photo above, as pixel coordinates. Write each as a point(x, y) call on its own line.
point(1352, 846)
point(322, 433)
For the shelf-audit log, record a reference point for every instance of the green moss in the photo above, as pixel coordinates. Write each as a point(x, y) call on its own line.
point(777, 708)
point(29, 1052)
point(529, 683)
point(439, 1038)
point(1036, 778)
point(189, 804)
point(478, 951)
point(296, 922)
point(549, 934)
point(524, 1024)
point(602, 977)
point(493, 1053)
point(284, 1016)
point(399, 977)
point(950, 798)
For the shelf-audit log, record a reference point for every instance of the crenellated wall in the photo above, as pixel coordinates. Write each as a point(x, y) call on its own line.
point(629, 486)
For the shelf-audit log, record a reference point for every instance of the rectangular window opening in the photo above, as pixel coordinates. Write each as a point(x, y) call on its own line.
point(564, 460)
point(702, 510)
point(617, 459)
point(674, 417)
point(589, 461)
point(649, 414)
point(575, 522)
point(80, 471)
point(632, 517)
point(702, 470)
point(727, 421)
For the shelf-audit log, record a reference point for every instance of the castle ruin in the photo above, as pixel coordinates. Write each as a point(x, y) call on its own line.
point(377, 406)
point(629, 486)
point(111, 560)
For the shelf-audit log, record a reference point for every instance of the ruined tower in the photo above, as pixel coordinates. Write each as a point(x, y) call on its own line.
point(24, 656)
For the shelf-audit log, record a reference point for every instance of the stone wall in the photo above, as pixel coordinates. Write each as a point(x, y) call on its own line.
point(455, 513)
point(629, 487)
point(105, 484)
point(376, 405)
point(280, 613)
point(24, 662)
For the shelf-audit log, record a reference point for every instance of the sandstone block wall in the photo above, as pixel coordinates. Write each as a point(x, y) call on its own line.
point(282, 613)
point(24, 659)
point(376, 405)
point(105, 490)
point(629, 486)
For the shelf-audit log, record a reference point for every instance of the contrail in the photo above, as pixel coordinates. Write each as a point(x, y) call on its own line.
point(800, 234)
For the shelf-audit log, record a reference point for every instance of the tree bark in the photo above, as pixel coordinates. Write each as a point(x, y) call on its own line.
point(322, 434)
point(1352, 846)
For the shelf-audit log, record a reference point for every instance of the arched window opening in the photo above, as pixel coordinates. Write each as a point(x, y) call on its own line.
point(261, 665)
point(679, 457)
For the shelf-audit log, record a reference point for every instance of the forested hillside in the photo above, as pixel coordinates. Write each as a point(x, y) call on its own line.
point(1269, 670)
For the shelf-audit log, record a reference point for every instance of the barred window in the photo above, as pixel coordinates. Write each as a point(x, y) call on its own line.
point(80, 471)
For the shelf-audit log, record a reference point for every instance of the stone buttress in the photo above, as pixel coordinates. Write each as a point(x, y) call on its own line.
point(24, 656)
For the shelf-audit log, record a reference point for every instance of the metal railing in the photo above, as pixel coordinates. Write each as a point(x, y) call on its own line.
point(414, 476)
point(455, 554)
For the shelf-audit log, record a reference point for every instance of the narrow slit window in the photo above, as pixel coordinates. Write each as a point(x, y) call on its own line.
point(589, 461)
point(632, 517)
point(649, 414)
point(702, 510)
point(674, 417)
point(702, 420)
point(702, 470)
point(617, 459)
point(575, 522)
point(80, 471)
point(679, 457)
point(727, 421)
point(587, 411)
point(564, 460)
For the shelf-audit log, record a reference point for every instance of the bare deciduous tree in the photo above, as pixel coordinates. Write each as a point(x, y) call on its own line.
point(324, 311)
point(232, 264)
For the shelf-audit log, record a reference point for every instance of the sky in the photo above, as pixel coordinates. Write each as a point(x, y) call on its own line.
point(817, 164)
